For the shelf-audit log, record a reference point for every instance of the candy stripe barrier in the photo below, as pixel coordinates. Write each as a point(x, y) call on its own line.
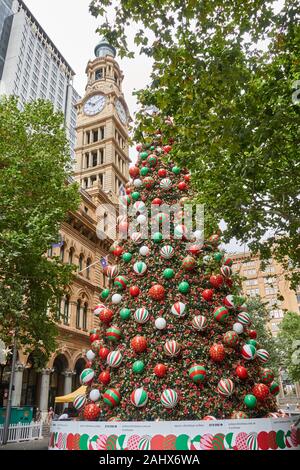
point(245, 434)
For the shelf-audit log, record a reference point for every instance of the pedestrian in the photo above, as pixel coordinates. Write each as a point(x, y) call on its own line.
point(50, 415)
point(38, 415)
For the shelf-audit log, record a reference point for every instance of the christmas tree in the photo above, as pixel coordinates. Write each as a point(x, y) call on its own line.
point(175, 339)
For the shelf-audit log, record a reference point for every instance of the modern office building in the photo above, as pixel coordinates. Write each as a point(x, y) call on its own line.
point(32, 66)
point(270, 283)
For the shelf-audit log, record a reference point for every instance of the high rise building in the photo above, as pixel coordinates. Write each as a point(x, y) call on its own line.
point(32, 67)
point(269, 284)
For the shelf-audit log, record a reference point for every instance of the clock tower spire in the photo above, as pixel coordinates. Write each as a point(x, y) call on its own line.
point(102, 152)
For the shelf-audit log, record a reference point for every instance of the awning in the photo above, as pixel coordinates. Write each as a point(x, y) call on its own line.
point(70, 397)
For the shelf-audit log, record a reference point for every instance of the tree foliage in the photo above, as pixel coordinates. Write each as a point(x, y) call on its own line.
point(226, 72)
point(289, 337)
point(34, 199)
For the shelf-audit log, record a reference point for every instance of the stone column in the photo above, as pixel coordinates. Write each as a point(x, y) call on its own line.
point(68, 382)
point(44, 393)
point(18, 380)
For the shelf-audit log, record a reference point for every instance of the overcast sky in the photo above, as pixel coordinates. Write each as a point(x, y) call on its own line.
point(72, 29)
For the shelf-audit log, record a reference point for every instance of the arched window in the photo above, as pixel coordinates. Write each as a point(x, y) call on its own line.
point(105, 221)
point(88, 269)
point(81, 262)
point(71, 255)
point(62, 253)
point(78, 311)
point(50, 251)
point(84, 317)
point(66, 310)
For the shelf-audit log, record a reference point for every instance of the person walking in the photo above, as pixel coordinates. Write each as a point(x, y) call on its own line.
point(50, 415)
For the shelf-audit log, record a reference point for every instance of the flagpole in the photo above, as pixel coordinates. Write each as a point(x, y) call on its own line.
point(93, 264)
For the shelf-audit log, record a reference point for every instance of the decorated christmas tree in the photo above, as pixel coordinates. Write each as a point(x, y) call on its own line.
point(175, 339)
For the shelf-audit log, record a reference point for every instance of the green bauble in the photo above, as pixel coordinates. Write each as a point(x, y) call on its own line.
point(136, 196)
point(218, 256)
point(152, 147)
point(176, 170)
point(138, 367)
point(144, 171)
point(105, 294)
point(157, 237)
point(125, 313)
point(143, 155)
point(184, 287)
point(253, 342)
point(168, 273)
point(250, 401)
point(127, 257)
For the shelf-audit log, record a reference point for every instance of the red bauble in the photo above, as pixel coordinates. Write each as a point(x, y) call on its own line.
point(241, 372)
point(128, 191)
point(106, 315)
point(207, 294)
point(103, 353)
point(157, 292)
point(167, 148)
point(195, 249)
point(187, 177)
point(182, 186)
point(118, 251)
point(160, 370)
point(157, 202)
point(134, 171)
point(260, 391)
point(94, 337)
point(216, 280)
point(104, 377)
point(134, 291)
point(252, 334)
point(217, 352)
point(162, 172)
point(91, 412)
point(138, 343)
point(139, 147)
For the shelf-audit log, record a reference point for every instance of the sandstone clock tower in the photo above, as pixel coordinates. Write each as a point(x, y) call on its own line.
point(102, 160)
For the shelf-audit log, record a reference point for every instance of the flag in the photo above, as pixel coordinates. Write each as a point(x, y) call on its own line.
point(122, 191)
point(104, 262)
point(57, 245)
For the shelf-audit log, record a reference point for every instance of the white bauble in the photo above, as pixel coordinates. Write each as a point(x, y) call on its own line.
point(90, 355)
point(94, 395)
point(198, 234)
point(206, 259)
point(141, 219)
point(160, 323)
point(137, 183)
point(238, 328)
point(116, 299)
point(144, 250)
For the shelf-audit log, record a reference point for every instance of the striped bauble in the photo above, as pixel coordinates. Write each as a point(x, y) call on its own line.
point(178, 309)
point(112, 397)
point(263, 355)
point(145, 443)
point(197, 373)
point(225, 387)
point(169, 398)
point(180, 231)
point(266, 375)
point(136, 237)
point(199, 322)
point(244, 318)
point(167, 251)
point(121, 282)
point(112, 271)
point(86, 376)
point(231, 339)
point(113, 333)
point(228, 301)
point(172, 348)
point(248, 352)
point(166, 184)
point(98, 309)
point(79, 402)
point(114, 359)
point(140, 206)
point(140, 268)
point(139, 397)
point(220, 314)
point(225, 271)
point(141, 315)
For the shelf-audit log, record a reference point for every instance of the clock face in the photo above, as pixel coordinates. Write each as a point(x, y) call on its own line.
point(121, 111)
point(94, 105)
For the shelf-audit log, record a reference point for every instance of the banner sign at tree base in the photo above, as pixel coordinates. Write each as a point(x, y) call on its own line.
point(243, 434)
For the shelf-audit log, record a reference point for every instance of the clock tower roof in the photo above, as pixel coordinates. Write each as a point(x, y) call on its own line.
point(104, 48)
